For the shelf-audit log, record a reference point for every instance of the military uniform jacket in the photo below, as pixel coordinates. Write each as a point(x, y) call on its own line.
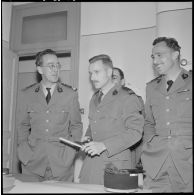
point(168, 125)
point(117, 123)
point(47, 122)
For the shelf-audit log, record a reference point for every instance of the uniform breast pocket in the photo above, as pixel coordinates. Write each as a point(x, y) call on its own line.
point(110, 121)
point(61, 115)
point(155, 109)
point(185, 105)
point(187, 144)
point(34, 115)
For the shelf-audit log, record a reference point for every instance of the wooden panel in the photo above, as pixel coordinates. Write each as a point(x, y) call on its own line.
point(45, 27)
point(29, 65)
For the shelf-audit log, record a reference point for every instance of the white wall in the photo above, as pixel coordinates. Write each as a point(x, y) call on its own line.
point(105, 17)
point(165, 6)
point(6, 19)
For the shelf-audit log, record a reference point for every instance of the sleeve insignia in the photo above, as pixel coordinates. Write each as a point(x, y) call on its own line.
point(184, 75)
point(37, 89)
point(115, 92)
point(59, 89)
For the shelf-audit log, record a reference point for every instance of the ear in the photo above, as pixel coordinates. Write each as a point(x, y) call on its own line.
point(123, 82)
point(109, 71)
point(175, 55)
point(39, 69)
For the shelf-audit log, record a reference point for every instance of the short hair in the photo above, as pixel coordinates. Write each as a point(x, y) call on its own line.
point(40, 54)
point(106, 60)
point(120, 72)
point(170, 42)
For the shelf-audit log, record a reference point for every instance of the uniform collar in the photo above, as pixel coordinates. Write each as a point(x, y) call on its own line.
point(51, 90)
point(110, 95)
point(180, 82)
point(58, 87)
point(105, 91)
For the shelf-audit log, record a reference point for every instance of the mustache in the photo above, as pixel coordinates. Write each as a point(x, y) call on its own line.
point(95, 81)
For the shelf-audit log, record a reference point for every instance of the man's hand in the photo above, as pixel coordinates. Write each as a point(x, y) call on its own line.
point(86, 139)
point(93, 148)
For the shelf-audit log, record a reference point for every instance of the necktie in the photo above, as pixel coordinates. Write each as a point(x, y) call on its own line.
point(169, 83)
point(48, 97)
point(100, 94)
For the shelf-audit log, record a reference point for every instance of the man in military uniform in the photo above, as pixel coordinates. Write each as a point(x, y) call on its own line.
point(49, 110)
point(118, 78)
point(115, 123)
point(167, 149)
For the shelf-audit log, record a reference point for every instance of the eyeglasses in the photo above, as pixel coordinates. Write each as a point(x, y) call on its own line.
point(52, 66)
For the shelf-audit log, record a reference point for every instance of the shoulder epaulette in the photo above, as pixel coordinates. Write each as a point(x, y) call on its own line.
point(130, 91)
point(69, 86)
point(157, 79)
point(187, 74)
point(28, 87)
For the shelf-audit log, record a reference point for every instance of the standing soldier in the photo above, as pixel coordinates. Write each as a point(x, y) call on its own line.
point(167, 150)
point(115, 123)
point(49, 110)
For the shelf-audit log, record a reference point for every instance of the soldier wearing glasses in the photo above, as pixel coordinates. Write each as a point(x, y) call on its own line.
point(45, 115)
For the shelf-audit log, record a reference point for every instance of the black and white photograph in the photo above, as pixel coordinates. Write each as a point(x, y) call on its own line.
point(97, 97)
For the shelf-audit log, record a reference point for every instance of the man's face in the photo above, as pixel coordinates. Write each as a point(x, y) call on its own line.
point(116, 77)
point(100, 74)
point(164, 58)
point(49, 69)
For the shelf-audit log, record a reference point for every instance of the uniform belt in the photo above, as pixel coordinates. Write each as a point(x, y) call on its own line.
point(174, 133)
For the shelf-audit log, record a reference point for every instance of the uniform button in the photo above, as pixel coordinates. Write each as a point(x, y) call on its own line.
point(167, 97)
point(169, 137)
point(168, 123)
point(167, 110)
point(47, 111)
point(47, 121)
point(94, 121)
point(98, 111)
point(94, 132)
point(46, 130)
point(187, 98)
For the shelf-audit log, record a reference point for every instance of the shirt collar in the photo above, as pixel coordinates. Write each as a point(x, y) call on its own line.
point(45, 90)
point(105, 91)
point(174, 77)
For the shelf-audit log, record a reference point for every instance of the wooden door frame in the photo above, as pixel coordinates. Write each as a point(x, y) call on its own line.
point(12, 132)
